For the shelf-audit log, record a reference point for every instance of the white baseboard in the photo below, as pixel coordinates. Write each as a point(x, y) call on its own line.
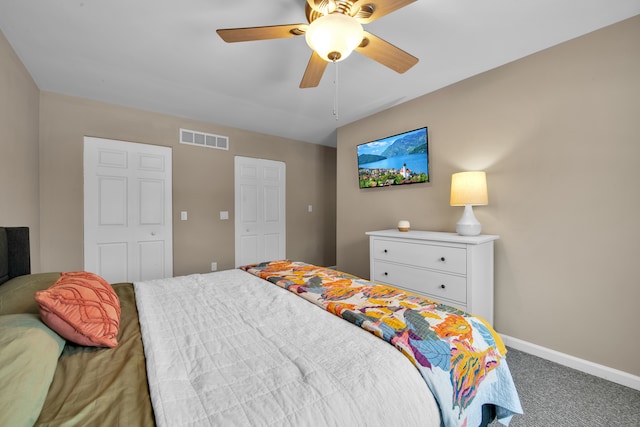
point(614, 375)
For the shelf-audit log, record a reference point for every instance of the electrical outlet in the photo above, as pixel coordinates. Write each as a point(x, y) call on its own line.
point(214, 266)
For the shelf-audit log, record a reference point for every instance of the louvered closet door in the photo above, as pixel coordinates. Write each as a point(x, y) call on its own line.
point(260, 224)
point(127, 210)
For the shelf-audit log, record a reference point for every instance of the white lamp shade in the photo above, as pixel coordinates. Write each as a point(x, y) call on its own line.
point(334, 36)
point(469, 188)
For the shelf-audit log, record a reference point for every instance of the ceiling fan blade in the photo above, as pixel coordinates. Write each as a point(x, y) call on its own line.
point(386, 53)
point(231, 35)
point(313, 73)
point(376, 9)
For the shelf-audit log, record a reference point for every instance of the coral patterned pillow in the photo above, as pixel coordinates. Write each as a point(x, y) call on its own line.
point(83, 308)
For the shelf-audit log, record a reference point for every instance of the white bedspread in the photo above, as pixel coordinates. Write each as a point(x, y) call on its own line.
point(230, 349)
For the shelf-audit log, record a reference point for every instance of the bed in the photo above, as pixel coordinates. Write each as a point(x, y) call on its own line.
point(278, 343)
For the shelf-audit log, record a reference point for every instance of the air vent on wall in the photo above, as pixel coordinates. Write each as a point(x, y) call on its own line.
point(192, 137)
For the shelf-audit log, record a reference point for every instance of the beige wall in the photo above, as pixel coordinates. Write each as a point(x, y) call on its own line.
point(557, 134)
point(202, 184)
point(18, 147)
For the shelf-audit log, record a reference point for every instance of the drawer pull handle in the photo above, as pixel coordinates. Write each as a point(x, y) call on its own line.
point(442, 259)
point(386, 274)
point(442, 286)
point(385, 251)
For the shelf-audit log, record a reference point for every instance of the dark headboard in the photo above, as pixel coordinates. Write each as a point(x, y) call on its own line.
point(15, 255)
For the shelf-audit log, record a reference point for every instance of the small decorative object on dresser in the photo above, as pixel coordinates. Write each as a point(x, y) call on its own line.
point(404, 225)
point(448, 268)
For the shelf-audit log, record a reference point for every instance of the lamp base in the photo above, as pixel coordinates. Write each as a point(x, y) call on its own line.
point(468, 225)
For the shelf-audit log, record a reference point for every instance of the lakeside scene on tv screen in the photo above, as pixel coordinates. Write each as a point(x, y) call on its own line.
point(395, 160)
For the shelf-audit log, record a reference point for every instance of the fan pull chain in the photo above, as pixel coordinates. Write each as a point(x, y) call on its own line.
point(335, 98)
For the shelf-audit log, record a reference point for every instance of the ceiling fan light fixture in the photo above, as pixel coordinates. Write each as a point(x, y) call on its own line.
point(334, 36)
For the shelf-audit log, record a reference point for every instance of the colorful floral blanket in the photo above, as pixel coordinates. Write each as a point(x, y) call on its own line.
point(460, 357)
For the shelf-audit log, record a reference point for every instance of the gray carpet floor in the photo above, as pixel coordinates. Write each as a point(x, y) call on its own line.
point(554, 395)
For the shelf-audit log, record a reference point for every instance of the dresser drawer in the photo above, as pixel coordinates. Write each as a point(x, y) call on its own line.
point(445, 258)
point(432, 284)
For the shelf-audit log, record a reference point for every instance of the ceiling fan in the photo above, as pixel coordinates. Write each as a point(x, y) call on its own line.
point(333, 31)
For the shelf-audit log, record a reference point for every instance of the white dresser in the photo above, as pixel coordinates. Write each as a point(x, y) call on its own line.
point(452, 269)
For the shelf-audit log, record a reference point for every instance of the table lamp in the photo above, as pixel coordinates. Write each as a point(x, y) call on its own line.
point(468, 189)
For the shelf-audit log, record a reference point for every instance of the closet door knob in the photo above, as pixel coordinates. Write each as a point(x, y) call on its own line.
point(385, 251)
point(442, 286)
point(386, 274)
point(442, 259)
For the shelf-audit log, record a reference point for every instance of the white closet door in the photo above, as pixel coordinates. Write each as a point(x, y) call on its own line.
point(127, 210)
point(260, 223)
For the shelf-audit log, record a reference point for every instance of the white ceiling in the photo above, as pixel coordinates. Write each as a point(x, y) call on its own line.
point(165, 56)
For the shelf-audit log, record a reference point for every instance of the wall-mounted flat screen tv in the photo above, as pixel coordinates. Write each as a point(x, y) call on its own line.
point(395, 160)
